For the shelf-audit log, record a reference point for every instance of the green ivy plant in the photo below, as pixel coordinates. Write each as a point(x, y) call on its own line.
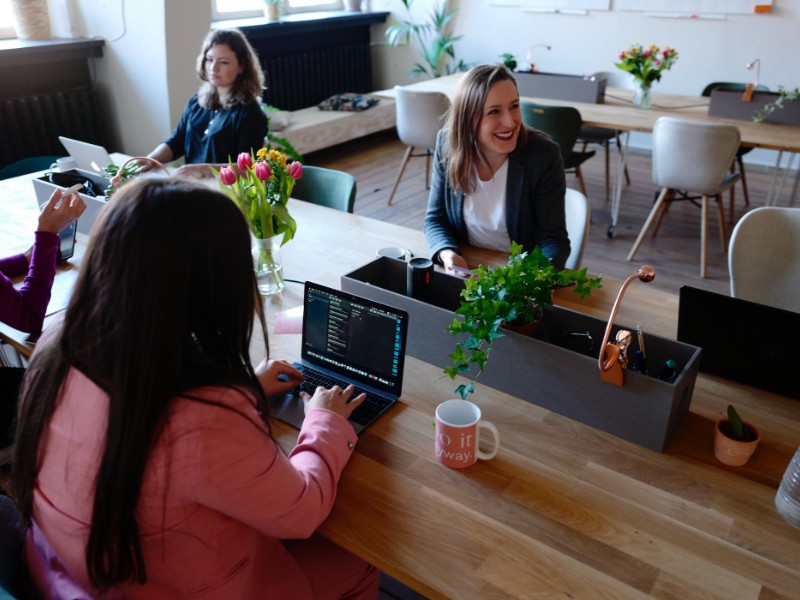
point(784, 96)
point(131, 170)
point(513, 294)
point(434, 40)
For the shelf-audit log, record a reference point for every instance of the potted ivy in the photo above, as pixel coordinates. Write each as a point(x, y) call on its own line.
point(512, 296)
point(735, 440)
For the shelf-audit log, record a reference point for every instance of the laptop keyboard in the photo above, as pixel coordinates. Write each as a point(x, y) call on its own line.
point(372, 406)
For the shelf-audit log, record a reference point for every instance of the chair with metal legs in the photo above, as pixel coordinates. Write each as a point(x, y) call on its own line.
point(693, 156)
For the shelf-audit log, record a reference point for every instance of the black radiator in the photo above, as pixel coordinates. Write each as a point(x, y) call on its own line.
point(306, 61)
point(30, 125)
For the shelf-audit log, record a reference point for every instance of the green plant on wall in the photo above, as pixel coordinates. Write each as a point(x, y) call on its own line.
point(434, 40)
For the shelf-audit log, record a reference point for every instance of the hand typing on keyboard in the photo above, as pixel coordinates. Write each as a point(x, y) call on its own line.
point(277, 377)
point(334, 399)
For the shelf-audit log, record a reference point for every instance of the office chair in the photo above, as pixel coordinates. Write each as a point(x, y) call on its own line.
point(326, 187)
point(27, 165)
point(578, 214)
point(419, 117)
point(694, 156)
point(742, 149)
point(764, 258)
point(602, 136)
point(562, 123)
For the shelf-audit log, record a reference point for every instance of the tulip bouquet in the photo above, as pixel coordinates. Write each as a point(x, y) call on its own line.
point(646, 66)
point(261, 189)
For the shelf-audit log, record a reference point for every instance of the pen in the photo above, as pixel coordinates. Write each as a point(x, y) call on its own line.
point(640, 335)
point(458, 269)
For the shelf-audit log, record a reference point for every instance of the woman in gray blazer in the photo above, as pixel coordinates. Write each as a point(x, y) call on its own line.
point(495, 181)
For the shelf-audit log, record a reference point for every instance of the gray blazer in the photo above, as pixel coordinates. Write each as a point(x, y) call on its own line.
point(534, 201)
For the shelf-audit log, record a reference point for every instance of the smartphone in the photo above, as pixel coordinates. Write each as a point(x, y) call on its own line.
point(66, 246)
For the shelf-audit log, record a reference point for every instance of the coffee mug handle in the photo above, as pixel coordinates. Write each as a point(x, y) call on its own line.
point(496, 434)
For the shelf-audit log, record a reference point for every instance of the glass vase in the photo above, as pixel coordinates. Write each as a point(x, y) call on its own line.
point(787, 500)
point(267, 264)
point(642, 96)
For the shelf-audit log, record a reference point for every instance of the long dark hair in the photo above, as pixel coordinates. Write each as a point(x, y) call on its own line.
point(463, 119)
point(249, 85)
point(165, 302)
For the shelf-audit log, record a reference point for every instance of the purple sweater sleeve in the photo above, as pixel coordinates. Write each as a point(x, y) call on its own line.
point(24, 308)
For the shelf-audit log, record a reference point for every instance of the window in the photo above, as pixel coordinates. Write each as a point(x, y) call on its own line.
point(6, 20)
point(239, 9)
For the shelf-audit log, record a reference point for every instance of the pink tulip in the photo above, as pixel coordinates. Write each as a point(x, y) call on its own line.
point(244, 160)
point(646, 53)
point(296, 170)
point(227, 176)
point(262, 171)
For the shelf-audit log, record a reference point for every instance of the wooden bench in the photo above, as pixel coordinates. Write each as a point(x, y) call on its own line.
point(312, 129)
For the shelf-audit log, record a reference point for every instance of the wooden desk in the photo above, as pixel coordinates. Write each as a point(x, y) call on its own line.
point(619, 113)
point(564, 510)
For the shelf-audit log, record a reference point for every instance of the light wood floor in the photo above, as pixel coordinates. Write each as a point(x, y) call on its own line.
point(674, 253)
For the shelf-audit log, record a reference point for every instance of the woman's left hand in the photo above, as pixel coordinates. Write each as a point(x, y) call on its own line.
point(268, 373)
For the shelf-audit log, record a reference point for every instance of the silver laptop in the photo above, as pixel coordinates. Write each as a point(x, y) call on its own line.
point(348, 340)
point(88, 157)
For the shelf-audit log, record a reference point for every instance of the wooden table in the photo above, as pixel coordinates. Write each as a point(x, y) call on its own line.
point(564, 510)
point(618, 113)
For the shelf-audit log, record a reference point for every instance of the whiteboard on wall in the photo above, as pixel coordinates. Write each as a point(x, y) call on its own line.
point(556, 4)
point(692, 6)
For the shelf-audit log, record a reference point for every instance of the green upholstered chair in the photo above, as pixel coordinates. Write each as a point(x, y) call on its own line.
point(27, 165)
point(562, 123)
point(742, 149)
point(326, 187)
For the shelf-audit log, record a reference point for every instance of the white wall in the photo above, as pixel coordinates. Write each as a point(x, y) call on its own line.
point(148, 70)
point(710, 50)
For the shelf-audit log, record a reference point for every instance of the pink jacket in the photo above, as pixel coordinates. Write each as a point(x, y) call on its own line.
point(218, 493)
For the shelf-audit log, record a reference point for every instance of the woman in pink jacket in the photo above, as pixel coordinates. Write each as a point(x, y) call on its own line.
point(144, 461)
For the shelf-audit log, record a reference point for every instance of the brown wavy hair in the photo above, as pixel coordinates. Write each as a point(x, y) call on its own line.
point(165, 303)
point(249, 85)
point(463, 119)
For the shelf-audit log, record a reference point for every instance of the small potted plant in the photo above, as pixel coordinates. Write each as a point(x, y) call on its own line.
point(512, 296)
point(735, 440)
point(509, 61)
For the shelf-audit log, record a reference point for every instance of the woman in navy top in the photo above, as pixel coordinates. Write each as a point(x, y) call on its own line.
point(224, 117)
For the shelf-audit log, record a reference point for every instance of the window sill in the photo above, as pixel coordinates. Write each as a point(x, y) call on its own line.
point(17, 53)
point(299, 23)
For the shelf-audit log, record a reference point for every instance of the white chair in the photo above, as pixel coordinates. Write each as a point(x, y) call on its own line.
point(764, 259)
point(419, 117)
point(691, 156)
point(578, 214)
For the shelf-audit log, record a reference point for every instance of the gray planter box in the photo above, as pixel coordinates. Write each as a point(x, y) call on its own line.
point(561, 87)
point(728, 104)
point(44, 189)
point(539, 370)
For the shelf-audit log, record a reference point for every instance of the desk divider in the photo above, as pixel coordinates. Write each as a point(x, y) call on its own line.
point(644, 411)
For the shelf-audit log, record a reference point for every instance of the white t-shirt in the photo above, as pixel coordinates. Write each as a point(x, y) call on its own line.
point(485, 212)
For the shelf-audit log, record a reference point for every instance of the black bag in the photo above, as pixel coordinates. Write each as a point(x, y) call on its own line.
point(67, 179)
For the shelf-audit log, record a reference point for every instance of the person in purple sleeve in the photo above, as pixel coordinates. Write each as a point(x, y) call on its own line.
point(24, 308)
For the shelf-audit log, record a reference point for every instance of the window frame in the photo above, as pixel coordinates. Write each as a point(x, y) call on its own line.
point(324, 5)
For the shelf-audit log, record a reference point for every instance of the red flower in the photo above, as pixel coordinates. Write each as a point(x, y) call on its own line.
point(262, 171)
point(227, 176)
point(296, 170)
point(244, 160)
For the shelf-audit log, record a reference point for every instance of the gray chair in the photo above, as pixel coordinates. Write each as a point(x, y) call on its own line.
point(27, 165)
point(326, 187)
point(578, 214)
point(692, 156)
point(419, 117)
point(764, 257)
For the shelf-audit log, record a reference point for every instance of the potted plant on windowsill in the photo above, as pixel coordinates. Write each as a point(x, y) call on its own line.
point(509, 296)
point(735, 440)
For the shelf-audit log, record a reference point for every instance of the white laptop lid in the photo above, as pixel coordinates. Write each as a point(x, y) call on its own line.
point(88, 157)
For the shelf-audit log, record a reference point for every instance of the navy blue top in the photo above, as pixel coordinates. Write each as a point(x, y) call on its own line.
point(214, 136)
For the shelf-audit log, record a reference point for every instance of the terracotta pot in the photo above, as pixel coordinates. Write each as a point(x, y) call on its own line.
point(528, 329)
point(732, 452)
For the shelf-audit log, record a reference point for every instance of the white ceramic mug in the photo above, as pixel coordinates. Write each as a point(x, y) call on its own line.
point(458, 430)
point(65, 163)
